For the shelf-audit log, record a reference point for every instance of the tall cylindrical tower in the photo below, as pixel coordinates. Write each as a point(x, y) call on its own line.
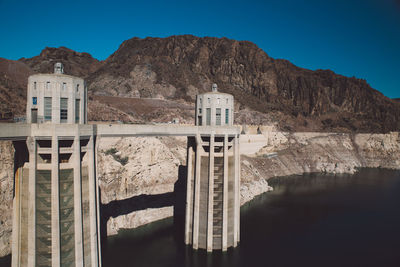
point(213, 181)
point(56, 216)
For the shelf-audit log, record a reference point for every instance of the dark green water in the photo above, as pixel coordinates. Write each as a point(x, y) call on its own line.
point(309, 220)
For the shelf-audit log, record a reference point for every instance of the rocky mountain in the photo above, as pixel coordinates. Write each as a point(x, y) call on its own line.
point(75, 63)
point(13, 78)
point(172, 70)
point(178, 67)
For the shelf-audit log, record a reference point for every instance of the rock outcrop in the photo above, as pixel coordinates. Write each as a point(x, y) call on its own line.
point(13, 79)
point(296, 153)
point(139, 189)
point(75, 63)
point(6, 196)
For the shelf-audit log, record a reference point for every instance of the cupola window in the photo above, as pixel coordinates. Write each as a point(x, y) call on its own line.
point(63, 110)
point(47, 108)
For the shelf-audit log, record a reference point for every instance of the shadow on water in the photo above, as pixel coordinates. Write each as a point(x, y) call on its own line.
point(175, 199)
point(5, 261)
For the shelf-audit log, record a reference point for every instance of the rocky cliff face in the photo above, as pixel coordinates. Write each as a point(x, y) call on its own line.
point(296, 153)
point(178, 67)
point(13, 79)
point(140, 189)
point(143, 179)
point(6, 196)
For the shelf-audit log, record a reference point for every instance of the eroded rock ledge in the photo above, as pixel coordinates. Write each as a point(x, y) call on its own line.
point(143, 179)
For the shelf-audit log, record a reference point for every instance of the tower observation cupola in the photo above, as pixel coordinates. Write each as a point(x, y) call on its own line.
point(214, 108)
point(58, 68)
point(214, 87)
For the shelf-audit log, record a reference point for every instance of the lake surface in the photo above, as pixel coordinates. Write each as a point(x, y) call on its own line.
point(308, 220)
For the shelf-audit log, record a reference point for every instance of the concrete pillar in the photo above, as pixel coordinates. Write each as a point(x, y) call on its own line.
point(189, 199)
point(55, 206)
point(98, 202)
point(32, 148)
point(84, 112)
point(210, 196)
point(201, 192)
point(225, 198)
point(92, 203)
point(236, 194)
point(16, 242)
point(78, 200)
point(238, 189)
point(55, 108)
point(71, 106)
point(197, 194)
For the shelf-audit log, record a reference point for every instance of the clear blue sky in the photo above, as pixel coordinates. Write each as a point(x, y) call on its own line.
point(353, 38)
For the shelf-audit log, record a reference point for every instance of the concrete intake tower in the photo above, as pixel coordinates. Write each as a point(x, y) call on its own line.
point(213, 164)
point(56, 216)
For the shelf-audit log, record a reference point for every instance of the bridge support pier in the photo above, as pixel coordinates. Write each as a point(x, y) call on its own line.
point(212, 199)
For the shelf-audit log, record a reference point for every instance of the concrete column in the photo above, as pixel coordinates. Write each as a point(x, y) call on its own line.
point(55, 106)
point(197, 194)
point(78, 201)
point(29, 102)
point(55, 206)
point(203, 113)
point(213, 100)
point(71, 106)
point(31, 143)
point(210, 196)
point(55, 211)
point(225, 195)
point(98, 201)
point(40, 105)
point(16, 243)
point(84, 112)
point(189, 200)
point(92, 203)
point(231, 118)
point(238, 189)
point(236, 204)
